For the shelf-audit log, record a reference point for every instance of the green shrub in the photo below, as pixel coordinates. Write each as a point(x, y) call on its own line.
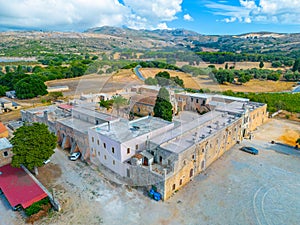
point(36, 207)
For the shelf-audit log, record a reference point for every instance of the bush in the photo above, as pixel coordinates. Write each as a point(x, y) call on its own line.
point(151, 81)
point(37, 206)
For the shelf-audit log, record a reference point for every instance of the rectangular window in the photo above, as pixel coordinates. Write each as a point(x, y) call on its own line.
point(197, 100)
point(128, 150)
point(114, 162)
point(98, 153)
point(113, 150)
point(128, 173)
point(104, 157)
point(104, 145)
point(136, 147)
point(93, 139)
point(180, 182)
point(192, 99)
point(5, 154)
point(173, 187)
point(97, 142)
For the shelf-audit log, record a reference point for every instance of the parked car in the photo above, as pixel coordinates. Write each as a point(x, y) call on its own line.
point(46, 161)
point(250, 150)
point(74, 156)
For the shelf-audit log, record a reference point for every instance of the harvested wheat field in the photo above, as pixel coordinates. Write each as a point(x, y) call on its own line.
point(189, 81)
point(251, 86)
point(95, 83)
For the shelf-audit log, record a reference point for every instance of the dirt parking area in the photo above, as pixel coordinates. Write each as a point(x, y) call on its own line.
point(239, 188)
point(95, 83)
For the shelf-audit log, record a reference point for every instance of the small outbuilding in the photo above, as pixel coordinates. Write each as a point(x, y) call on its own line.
point(5, 152)
point(19, 188)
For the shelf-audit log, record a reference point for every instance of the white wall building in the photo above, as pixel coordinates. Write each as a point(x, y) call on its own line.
point(113, 144)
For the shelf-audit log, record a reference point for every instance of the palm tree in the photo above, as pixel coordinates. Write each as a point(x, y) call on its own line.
point(119, 101)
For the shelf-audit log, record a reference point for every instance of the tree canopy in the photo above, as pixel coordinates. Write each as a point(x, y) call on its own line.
point(163, 107)
point(32, 144)
point(3, 89)
point(108, 104)
point(151, 81)
point(261, 64)
point(296, 66)
point(30, 87)
point(163, 78)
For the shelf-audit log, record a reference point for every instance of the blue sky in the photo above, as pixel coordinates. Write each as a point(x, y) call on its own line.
point(206, 17)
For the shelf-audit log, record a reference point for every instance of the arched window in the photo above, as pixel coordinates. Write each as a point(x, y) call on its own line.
point(191, 172)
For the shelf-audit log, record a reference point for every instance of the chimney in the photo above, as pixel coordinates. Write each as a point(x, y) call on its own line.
point(46, 115)
point(108, 123)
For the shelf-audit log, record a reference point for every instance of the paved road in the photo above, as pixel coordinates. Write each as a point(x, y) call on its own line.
point(138, 73)
point(296, 90)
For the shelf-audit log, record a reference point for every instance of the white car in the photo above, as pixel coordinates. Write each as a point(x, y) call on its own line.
point(74, 156)
point(46, 161)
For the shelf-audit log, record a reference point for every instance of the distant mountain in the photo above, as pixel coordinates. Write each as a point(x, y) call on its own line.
point(116, 39)
point(132, 32)
point(257, 42)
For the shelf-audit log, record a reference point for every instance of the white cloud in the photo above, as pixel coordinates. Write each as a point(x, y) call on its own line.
point(154, 12)
point(162, 26)
point(83, 14)
point(230, 20)
point(188, 17)
point(267, 11)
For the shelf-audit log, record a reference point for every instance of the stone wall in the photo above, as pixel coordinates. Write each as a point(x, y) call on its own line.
point(201, 155)
point(257, 117)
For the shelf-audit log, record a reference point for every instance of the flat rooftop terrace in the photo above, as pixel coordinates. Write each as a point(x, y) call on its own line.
point(193, 129)
point(95, 114)
point(76, 124)
point(238, 107)
point(124, 130)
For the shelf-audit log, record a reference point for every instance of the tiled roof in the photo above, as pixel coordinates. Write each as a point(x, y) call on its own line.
point(2, 128)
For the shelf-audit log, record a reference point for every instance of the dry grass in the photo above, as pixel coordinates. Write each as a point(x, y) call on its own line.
point(189, 81)
point(206, 82)
point(95, 83)
point(251, 86)
point(290, 136)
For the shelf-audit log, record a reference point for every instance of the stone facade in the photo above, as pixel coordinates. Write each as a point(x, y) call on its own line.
point(150, 151)
point(196, 159)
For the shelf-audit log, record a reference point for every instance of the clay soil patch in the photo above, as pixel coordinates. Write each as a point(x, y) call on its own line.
point(290, 136)
point(48, 174)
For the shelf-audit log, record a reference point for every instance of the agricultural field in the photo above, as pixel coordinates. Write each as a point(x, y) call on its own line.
point(189, 80)
point(95, 83)
point(205, 82)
